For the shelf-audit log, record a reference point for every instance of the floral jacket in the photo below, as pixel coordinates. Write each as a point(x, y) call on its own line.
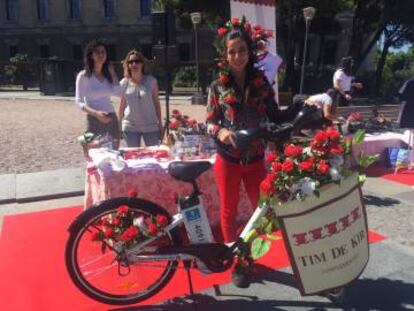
point(228, 107)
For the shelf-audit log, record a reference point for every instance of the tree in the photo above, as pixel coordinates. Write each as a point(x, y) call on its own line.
point(214, 11)
point(399, 30)
point(291, 28)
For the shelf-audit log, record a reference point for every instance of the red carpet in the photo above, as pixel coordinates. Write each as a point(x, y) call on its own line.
point(404, 176)
point(34, 277)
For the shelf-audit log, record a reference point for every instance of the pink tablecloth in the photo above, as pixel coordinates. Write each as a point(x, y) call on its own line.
point(377, 143)
point(159, 187)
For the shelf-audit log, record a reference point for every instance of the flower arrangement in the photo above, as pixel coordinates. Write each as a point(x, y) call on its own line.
point(122, 229)
point(303, 168)
point(182, 123)
point(125, 228)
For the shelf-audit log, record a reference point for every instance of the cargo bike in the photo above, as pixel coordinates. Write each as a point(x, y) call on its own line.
point(125, 250)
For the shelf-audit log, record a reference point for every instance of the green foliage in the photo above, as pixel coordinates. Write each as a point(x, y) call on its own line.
point(20, 71)
point(259, 248)
point(214, 12)
point(185, 77)
point(398, 68)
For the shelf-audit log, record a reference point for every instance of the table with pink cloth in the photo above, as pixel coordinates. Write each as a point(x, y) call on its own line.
point(157, 186)
point(377, 143)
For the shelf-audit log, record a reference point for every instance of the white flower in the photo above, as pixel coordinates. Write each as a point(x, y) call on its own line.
point(336, 161)
point(335, 175)
point(307, 186)
point(307, 150)
point(140, 223)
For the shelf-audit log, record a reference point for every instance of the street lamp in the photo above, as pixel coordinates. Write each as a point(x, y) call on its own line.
point(308, 14)
point(196, 19)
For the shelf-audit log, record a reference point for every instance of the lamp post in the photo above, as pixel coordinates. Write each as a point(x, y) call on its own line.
point(196, 19)
point(308, 14)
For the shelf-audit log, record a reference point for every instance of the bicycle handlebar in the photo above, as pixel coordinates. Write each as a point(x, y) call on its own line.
point(307, 116)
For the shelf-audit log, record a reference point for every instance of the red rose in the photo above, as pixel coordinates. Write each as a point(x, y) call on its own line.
point(306, 166)
point(224, 79)
point(292, 150)
point(321, 137)
point(287, 166)
point(116, 221)
point(336, 149)
point(261, 46)
point(230, 113)
point(248, 27)
point(257, 27)
point(230, 99)
point(221, 31)
point(271, 177)
point(175, 112)
point(221, 64)
point(132, 193)
point(266, 188)
point(258, 82)
point(235, 21)
point(129, 234)
point(332, 133)
point(210, 115)
point(122, 210)
point(276, 167)
point(174, 124)
point(323, 167)
point(109, 232)
point(152, 229)
point(161, 220)
point(213, 101)
point(271, 157)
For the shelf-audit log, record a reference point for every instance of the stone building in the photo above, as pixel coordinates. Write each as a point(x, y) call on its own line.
point(60, 28)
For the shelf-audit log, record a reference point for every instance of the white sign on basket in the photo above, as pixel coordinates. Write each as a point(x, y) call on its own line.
point(326, 237)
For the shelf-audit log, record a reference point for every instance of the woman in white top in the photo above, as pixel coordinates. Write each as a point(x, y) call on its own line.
point(94, 87)
point(326, 103)
point(140, 110)
point(342, 81)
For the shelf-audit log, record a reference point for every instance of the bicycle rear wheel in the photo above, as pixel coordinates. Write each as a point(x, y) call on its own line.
point(98, 267)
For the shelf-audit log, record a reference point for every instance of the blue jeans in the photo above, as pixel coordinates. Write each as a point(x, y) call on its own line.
point(133, 139)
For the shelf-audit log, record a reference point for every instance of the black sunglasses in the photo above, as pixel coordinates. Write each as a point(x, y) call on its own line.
point(136, 61)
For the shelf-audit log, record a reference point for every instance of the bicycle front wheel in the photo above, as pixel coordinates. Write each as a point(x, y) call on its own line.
point(99, 268)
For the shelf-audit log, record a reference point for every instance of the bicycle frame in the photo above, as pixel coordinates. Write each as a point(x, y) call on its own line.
point(135, 253)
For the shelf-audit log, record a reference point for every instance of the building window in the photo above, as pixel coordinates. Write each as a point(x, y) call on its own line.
point(11, 10)
point(146, 49)
point(77, 52)
point(13, 50)
point(329, 52)
point(44, 51)
point(184, 51)
point(74, 9)
point(109, 8)
point(145, 6)
point(111, 49)
point(41, 9)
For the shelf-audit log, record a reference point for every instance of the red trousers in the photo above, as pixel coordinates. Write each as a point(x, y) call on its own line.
point(229, 175)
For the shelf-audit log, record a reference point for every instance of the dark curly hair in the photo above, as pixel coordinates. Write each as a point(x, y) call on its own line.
point(239, 33)
point(88, 61)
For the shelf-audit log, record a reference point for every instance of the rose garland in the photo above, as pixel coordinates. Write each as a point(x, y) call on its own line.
point(259, 38)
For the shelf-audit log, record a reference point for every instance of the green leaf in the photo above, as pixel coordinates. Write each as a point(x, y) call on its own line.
point(362, 178)
point(358, 137)
point(261, 223)
point(365, 161)
point(273, 237)
point(259, 248)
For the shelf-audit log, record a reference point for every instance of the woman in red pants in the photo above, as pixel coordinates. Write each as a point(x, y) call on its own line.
point(240, 98)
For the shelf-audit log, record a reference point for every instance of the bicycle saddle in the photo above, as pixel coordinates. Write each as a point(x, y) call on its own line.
point(188, 171)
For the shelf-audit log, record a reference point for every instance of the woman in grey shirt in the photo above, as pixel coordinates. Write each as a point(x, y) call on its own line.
point(139, 110)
